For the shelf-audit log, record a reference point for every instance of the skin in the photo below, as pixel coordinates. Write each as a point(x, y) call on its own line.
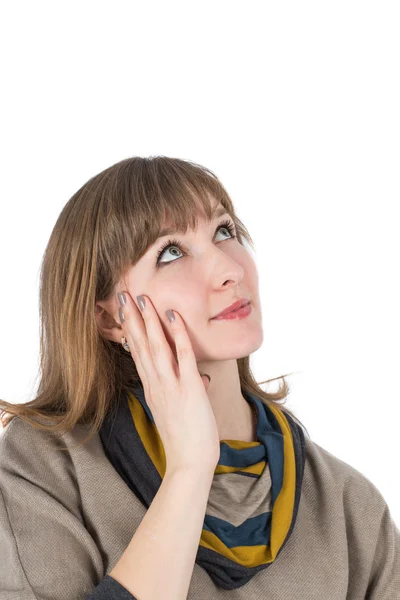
point(210, 272)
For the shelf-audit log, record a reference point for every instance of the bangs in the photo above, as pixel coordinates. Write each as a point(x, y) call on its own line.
point(146, 195)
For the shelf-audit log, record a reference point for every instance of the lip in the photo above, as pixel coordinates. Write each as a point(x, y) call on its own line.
point(233, 307)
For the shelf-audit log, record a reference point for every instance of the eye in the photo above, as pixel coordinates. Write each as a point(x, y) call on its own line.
point(175, 244)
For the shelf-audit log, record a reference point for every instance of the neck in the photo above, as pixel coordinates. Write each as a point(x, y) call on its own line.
point(233, 414)
point(242, 428)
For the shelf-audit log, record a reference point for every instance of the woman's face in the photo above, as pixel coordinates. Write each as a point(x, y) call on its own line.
point(208, 272)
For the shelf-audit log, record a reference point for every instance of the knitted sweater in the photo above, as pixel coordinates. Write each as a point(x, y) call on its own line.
point(67, 517)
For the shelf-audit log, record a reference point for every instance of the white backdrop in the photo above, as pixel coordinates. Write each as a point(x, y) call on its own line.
point(295, 106)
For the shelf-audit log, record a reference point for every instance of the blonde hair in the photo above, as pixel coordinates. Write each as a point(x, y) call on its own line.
point(102, 231)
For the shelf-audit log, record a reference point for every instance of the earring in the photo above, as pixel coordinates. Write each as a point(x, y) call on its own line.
point(125, 344)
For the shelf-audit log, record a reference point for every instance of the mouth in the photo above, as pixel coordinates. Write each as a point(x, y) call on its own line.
point(233, 308)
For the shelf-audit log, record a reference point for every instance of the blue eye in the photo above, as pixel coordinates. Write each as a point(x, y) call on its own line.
point(174, 243)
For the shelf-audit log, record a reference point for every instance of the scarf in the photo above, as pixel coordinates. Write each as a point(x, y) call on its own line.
point(255, 494)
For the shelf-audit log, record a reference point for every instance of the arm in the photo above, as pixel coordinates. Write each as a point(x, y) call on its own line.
point(46, 552)
point(40, 517)
point(384, 582)
point(373, 541)
point(159, 561)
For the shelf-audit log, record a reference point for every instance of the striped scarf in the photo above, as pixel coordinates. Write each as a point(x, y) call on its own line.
point(251, 510)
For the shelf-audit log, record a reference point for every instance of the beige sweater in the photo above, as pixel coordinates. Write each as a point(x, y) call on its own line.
point(66, 518)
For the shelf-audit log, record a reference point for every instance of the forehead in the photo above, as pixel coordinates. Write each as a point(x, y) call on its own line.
point(169, 229)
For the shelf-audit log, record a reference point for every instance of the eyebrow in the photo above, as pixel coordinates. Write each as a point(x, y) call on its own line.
point(170, 230)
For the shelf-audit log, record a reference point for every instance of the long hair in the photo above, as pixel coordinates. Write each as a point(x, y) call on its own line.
point(102, 231)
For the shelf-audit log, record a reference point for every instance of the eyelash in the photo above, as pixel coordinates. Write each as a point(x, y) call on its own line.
point(228, 224)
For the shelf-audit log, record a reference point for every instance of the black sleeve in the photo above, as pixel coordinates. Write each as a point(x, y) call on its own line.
point(110, 589)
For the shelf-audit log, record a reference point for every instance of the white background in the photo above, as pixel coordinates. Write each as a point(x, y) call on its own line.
point(295, 106)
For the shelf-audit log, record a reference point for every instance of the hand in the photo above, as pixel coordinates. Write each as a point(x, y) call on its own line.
point(174, 389)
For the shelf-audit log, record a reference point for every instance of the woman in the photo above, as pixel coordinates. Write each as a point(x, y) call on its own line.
point(151, 463)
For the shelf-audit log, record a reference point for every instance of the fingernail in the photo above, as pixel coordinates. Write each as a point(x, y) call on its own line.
point(121, 298)
point(141, 302)
point(121, 315)
point(170, 315)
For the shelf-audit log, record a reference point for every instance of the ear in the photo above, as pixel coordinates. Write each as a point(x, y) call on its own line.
point(108, 327)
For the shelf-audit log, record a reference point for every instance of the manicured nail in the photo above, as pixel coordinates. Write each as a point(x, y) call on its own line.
point(121, 298)
point(170, 315)
point(141, 302)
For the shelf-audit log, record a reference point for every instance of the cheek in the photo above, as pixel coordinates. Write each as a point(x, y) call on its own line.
point(190, 300)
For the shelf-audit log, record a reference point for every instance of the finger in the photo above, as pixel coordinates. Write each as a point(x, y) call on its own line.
point(134, 330)
point(184, 350)
point(148, 341)
point(158, 345)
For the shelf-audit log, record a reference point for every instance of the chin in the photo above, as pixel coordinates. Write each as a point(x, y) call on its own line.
point(230, 349)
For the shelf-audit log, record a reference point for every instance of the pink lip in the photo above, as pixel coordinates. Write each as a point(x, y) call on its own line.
point(239, 313)
point(238, 304)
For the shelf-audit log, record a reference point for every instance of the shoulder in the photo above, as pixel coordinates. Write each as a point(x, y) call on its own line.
point(352, 487)
point(39, 459)
point(327, 464)
point(21, 437)
point(20, 440)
